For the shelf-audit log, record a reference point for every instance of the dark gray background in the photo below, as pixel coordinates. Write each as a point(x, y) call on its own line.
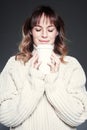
point(14, 12)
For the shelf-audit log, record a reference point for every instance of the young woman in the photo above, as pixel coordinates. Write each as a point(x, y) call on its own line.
point(33, 100)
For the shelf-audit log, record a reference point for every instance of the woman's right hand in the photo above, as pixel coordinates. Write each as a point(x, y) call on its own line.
point(35, 63)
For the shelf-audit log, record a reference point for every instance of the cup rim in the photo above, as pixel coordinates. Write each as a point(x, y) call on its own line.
point(46, 46)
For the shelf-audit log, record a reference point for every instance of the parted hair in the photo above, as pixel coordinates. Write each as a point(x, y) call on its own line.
point(27, 45)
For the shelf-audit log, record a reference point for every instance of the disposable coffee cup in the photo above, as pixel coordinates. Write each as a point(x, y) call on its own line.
point(44, 52)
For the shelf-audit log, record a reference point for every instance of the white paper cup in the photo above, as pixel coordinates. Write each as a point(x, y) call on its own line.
point(44, 52)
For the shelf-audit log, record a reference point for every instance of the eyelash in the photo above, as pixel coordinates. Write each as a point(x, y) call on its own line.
point(51, 30)
point(38, 30)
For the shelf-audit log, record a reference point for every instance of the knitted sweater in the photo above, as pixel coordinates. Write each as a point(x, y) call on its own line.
point(30, 100)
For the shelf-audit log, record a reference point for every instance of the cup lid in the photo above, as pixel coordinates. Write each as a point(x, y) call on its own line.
point(45, 46)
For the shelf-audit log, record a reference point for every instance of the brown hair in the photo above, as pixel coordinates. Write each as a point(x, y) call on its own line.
point(26, 45)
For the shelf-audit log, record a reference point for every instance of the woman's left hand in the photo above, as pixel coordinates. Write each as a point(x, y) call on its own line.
point(55, 62)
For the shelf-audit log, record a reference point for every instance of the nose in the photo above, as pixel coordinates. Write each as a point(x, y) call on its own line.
point(44, 33)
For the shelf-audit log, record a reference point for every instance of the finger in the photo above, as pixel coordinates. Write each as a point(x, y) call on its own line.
point(57, 67)
point(34, 60)
point(35, 55)
point(55, 58)
point(52, 67)
point(53, 61)
point(53, 54)
point(37, 65)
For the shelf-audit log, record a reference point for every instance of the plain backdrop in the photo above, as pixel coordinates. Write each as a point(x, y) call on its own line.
point(13, 14)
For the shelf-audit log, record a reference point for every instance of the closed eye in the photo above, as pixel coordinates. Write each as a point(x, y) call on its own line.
point(50, 30)
point(36, 29)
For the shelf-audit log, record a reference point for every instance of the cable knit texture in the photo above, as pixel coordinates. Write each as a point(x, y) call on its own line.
point(30, 100)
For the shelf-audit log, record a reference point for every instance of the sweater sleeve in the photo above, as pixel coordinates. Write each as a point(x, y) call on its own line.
point(18, 97)
point(68, 95)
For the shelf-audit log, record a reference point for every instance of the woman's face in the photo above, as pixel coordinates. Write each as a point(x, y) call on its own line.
point(44, 32)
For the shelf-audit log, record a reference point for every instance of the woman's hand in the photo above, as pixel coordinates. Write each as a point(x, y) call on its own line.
point(34, 61)
point(55, 62)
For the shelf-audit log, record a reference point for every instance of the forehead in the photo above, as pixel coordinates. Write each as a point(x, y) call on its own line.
point(44, 20)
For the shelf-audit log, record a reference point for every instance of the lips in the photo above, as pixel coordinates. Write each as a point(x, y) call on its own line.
point(43, 40)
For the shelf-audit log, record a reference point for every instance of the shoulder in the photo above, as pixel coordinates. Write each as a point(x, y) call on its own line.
point(12, 64)
point(72, 61)
point(74, 64)
point(11, 60)
point(69, 58)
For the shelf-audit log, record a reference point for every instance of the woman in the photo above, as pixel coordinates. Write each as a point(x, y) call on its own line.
point(32, 100)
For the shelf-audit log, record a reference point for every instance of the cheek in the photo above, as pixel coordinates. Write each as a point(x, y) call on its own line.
point(53, 36)
point(35, 35)
point(35, 38)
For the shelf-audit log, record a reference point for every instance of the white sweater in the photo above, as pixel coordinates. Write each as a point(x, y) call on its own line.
point(30, 100)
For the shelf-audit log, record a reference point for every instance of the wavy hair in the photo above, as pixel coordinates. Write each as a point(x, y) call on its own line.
point(27, 45)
